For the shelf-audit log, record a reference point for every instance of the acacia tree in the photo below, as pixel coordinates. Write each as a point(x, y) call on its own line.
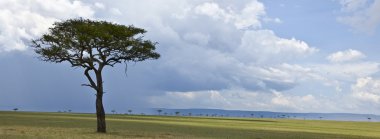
point(159, 111)
point(93, 45)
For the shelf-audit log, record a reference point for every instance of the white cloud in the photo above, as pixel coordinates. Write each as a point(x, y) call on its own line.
point(345, 56)
point(253, 60)
point(248, 17)
point(347, 72)
point(99, 5)
point(183, 13)
point(367, 89)
point(352, 5)
point(278, 77)
point(281, 100)
point(363, 15)
point(115, 11)
point(214, 66)
point(197, 38)
point(274, 20)
point(23, 20)
point(296, 103)
point(341, 75)
point(265, 45)
point(213, 10)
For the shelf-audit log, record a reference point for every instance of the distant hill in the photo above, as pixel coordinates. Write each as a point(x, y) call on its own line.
point(265, 114)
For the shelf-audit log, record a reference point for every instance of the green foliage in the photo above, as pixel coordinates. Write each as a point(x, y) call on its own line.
point(87, 43)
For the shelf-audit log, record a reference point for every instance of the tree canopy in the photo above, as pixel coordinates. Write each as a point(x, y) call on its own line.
point(94, 44)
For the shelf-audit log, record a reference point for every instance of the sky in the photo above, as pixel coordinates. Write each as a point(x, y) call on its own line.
point(272, 55)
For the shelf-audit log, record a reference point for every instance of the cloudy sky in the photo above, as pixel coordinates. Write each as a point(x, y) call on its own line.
point(290, 56)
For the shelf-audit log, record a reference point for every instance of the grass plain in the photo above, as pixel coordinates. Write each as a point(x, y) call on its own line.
point(39, 125)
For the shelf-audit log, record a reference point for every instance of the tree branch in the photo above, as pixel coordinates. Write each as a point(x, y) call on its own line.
point(92, 83)
point(89, 86)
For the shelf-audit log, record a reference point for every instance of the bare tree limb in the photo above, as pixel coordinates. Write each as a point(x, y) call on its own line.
point(92, 83)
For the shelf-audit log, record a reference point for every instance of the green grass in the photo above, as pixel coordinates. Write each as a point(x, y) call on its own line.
point(31, 125)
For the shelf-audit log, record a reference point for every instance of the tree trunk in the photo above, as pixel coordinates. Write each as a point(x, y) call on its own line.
point(100, 114)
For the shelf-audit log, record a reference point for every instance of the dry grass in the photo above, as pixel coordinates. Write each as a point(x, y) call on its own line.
point(29, 125)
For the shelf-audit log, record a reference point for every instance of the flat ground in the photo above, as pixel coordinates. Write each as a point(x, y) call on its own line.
point(31, 125)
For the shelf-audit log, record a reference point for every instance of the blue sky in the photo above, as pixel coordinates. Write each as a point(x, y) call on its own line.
point(291, 56)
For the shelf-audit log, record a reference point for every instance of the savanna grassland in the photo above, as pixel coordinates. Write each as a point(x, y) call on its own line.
point(38, 125)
